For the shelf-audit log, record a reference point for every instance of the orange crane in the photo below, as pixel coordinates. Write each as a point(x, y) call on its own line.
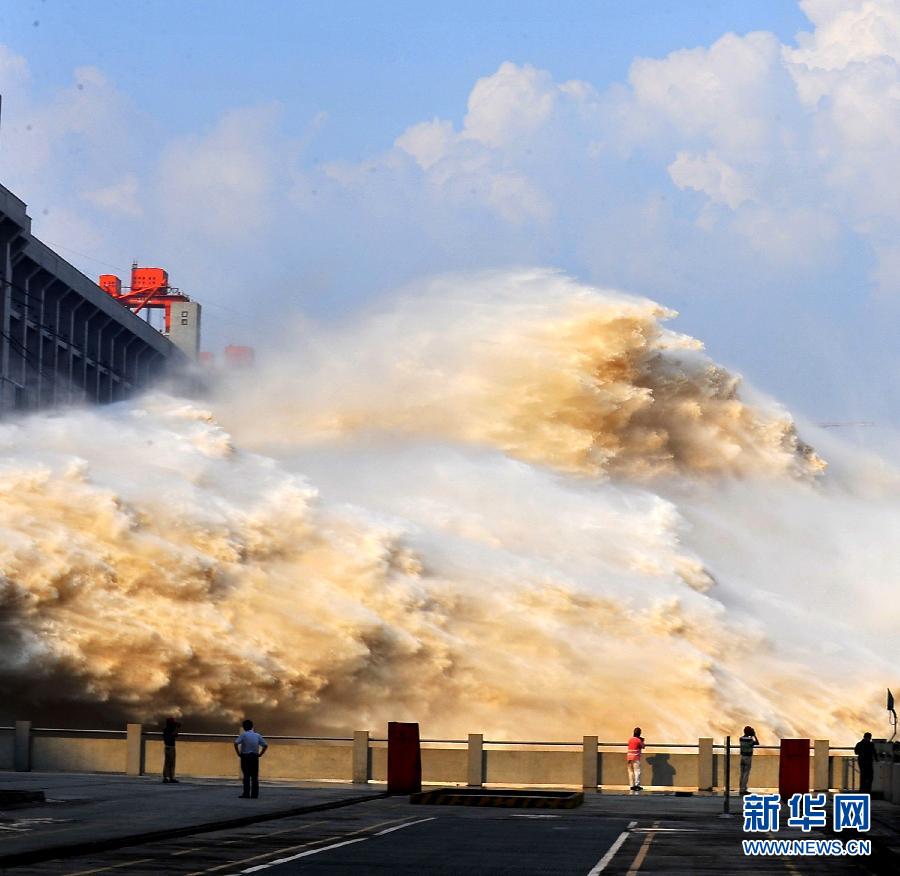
point(149, 289)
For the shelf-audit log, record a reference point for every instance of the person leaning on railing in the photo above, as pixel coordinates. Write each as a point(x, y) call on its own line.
point(633, 759)
point(748, 743)
point(865, 756)
point(169, 733)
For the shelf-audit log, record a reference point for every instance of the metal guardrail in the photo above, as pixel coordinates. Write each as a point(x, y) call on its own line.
point(122, 733)
point(233, 736)
point(426, 741)
point(660, 746)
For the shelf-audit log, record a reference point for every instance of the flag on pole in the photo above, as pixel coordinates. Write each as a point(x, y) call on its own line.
point(890, 703)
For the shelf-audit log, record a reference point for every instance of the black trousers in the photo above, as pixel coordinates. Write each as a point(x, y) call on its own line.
point(866, 774)
point(250, 769)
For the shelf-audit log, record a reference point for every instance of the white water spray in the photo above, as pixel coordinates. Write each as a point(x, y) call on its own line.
point(506, 503)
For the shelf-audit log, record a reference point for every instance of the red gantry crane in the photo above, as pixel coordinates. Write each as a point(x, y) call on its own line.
point(149, 290)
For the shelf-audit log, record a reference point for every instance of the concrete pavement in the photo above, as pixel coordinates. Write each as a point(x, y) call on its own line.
point(103, 811)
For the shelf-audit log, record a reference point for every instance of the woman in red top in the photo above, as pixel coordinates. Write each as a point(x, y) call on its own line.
point(633, 761)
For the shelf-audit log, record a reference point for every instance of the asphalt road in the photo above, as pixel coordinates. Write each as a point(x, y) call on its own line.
point(393, 836)
point(387, 836)
point(448, 842)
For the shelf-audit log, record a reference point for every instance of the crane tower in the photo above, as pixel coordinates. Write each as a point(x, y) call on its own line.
point(150, 290)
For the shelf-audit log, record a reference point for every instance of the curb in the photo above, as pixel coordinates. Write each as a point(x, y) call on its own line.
point(510, 799)
point(70, 850)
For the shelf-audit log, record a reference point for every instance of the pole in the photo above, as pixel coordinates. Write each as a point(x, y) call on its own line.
point(727, 802)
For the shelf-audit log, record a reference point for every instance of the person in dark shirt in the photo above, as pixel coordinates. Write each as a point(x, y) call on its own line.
point(749, 741)
point(865, 756)
point(170, 731)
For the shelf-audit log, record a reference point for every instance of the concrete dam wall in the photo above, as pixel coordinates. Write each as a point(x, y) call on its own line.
point(62, 338)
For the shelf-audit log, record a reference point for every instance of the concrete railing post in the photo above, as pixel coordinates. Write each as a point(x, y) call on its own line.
point(475, 770)
point(847, 782)
point(589, 772)
point(820, 765)
point(360, 757)
point(134, 750)
point(705, 763)
point(22, 749)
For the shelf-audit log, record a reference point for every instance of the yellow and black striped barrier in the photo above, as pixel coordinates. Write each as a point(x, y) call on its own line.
point(509, 799)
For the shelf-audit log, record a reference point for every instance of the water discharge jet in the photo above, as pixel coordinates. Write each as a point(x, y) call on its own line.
point(482, 507)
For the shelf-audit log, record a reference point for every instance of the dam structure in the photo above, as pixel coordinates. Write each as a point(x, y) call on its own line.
point(63, 339)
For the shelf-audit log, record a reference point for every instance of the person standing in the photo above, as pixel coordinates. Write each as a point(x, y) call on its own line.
point(169, 733)
point(633, 759)
point(865, 756)
point(250, 747)
point(748, 743)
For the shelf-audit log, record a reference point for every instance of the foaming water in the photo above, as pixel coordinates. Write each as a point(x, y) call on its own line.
point(507, 503)
point(534, 364)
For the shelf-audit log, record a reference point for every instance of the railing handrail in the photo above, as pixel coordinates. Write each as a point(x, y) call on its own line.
point(717, 746)
point(424, 741)
point(233, 736)
point(74, 730)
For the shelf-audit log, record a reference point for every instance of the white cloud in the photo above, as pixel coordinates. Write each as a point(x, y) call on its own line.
point(120, 197)
point(847, 32)
point(709, 174)
point(13, 69)
point(427, 142)
point(516, 200)
point(886, 272)
point(221, 184)
point(725, 94)
point(512, 103)
point(84, 130)
point(794, 237)
point(516, 117)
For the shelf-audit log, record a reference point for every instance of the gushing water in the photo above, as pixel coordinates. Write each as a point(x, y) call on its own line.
point(506, 503)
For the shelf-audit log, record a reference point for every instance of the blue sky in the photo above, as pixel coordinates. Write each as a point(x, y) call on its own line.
point(282, 157)
point(374, 67)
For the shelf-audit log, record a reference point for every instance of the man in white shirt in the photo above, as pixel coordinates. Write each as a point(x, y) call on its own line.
point(250, 747)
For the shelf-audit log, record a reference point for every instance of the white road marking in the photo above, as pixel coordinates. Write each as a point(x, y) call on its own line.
point(531, 815)
point(604, 862)
point(666, 830)
point(401, 826)
point(289, 849)
point(259, 867)
point(361, 839)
